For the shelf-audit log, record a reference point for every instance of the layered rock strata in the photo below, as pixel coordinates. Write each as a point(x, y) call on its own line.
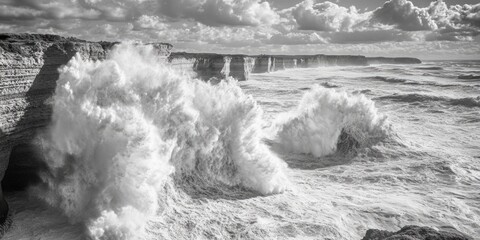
point(29, 66)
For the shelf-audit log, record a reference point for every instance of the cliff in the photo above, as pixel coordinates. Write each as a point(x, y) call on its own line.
point(208, 65)
point(28, 72)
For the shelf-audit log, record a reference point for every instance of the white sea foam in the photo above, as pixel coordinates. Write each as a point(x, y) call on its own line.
point(314, 127)
point(123, 127)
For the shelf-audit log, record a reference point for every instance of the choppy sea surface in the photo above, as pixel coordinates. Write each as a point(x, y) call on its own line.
point(321, 153)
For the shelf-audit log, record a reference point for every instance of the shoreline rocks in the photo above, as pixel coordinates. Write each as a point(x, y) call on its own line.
point(412, 232)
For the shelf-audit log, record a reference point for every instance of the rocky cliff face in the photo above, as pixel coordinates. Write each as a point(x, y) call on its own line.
point(206, 65)
point(28, 72)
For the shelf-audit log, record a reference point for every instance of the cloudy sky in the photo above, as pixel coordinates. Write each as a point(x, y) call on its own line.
point(447, 29)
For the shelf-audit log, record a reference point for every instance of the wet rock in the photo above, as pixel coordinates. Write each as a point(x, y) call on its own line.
point(416, 233)
point(346, 142)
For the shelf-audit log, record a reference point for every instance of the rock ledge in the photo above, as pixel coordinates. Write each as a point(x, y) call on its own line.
point(416, 233)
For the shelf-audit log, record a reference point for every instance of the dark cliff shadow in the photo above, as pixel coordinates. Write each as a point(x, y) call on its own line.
point(3, 143)
point(24, 164)
point(24, 167)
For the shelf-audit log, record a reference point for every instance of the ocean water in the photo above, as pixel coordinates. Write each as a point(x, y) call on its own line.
point(140, 151)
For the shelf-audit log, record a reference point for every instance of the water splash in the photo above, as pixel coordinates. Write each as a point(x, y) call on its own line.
point(124, 127)
point(326, 118)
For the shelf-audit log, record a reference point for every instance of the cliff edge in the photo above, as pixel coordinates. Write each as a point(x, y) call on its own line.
point(28, 73)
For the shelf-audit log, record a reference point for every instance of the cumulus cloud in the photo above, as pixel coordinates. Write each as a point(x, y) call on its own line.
point(150, 22)
point(472, 14)
point(209, 12)
point(326, 16)
point(395, 20)
point(46, 9)
point(404, 15)
point(221, 12)
point(455, 15)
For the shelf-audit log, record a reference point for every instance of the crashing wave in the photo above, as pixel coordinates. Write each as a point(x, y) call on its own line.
point(327, 121)
point(124, 127)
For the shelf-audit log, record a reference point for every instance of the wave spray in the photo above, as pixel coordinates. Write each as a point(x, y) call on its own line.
point(327, 119)
point(124, 127)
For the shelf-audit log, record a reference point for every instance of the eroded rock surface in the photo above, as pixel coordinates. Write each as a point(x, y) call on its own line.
point(416, 233)
point(28, 73)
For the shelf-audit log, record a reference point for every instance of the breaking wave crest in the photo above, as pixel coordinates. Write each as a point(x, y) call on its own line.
point(327, 120)
point(123, 128)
